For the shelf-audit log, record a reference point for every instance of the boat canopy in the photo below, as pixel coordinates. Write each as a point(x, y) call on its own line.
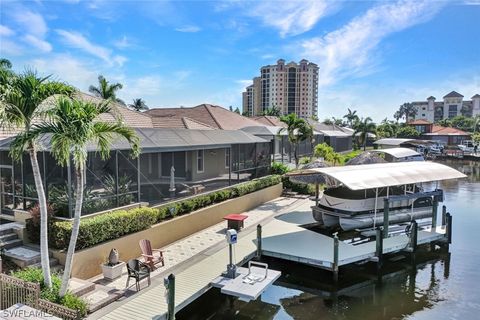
point(379, 175)
point(399, 152)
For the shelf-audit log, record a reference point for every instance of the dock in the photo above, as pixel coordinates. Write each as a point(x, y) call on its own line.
point(282, 235)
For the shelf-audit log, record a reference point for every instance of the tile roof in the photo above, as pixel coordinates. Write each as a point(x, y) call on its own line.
point(453, 94)
point(439, 130)
point(476, 96)
point(270, 121)
point(419, 121)
point(131, 118)
point(431, 97)
point(206, 114)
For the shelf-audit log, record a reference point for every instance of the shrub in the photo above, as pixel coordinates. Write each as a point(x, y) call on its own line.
point(35, 275)
point(304, 160)
point(302, 188)
point(103, 227)
point(116, 224)
point(33, 224)
point(278, 168)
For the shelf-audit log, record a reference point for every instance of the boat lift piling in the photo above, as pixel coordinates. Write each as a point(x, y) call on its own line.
point(335, 258)
point(444, 215)
point(386, 209)
point(379, 248)
point(259, 241)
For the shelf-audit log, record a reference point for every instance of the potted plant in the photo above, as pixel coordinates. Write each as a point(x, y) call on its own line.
point(113, 267)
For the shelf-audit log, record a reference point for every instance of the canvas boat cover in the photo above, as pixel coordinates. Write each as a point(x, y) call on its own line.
point(399, 152)
point(379, 175)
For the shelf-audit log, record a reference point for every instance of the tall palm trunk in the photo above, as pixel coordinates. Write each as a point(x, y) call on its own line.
point(365, 142)
point(295, 155)
point(79, 174)
point(42, 203)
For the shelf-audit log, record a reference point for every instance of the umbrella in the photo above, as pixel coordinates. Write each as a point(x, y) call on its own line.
point(365, 158)
point(172, 180)
point(310, 178)
point(313, 178)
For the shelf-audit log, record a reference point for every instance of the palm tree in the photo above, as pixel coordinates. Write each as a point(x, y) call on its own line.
point(364, 127)
point(273, 111)
point(24, 102)
point(5, 63)
point(6, 75)
point(297, 129)
point(138, 105)
point(351, 116)
point(73, 125)
point(106, 90)
point(406, 110)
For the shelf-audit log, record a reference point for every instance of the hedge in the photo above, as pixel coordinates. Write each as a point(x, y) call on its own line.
point(70, 300)
point(113, 225)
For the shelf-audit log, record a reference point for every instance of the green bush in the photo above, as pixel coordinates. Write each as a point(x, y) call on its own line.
point(116, 224)
point(103, 227)
point(302, 188)
point(52, 294)
point(278, 168)
point(304, 160)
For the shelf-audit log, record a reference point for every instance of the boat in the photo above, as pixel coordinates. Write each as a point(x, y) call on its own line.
point(468, 146)
point(355, 195)
point(400, 154)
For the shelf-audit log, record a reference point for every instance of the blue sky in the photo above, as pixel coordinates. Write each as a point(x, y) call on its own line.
point(373, 55)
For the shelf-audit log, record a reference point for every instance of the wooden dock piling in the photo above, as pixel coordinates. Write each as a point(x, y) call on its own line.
point(386, 209)
point(434, 212)
point(259, 241)
point(170, 284)
point(444, 215)
point(379, 248)
point(335, 258)
point(414, 236)
point(449, 228)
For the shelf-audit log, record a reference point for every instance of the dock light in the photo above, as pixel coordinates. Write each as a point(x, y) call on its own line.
point(231, 236)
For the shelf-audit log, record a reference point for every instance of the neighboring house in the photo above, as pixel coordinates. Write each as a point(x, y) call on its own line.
point(452, 105)
point(282, 148)
point(340, 139)
point(270, 121)
point(203, 157)
point(202, 160)
point(446, 135)
point(206, 114)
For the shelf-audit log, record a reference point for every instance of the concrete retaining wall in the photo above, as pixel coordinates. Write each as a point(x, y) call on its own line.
point(87, 261)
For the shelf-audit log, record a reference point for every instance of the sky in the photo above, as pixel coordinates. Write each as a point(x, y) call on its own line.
point(373, 55)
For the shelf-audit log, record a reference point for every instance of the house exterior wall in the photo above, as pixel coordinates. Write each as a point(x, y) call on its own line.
point(214, 164)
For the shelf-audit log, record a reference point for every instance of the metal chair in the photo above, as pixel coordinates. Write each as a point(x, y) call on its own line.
point(137, 270)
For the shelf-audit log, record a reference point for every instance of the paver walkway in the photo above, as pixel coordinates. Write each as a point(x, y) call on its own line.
point(196, 261)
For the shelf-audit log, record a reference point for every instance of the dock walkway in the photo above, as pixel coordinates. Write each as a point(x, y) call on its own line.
point(193, 277)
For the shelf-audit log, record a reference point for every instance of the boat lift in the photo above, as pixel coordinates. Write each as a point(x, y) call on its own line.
point(245, 283)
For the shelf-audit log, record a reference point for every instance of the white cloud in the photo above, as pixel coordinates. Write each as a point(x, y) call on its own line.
point(122, 43)
point(188, 29)
point(33, 23)
point(6, 31)
point(348, 51)
point(290, 17)
point(66, 68)
point(9, 47)
point(38, 43)
point(76, 40)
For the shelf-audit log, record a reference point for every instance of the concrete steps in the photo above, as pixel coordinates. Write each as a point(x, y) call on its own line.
point(101, 296)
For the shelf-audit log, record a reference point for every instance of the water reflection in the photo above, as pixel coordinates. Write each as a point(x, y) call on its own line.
point(438, 285)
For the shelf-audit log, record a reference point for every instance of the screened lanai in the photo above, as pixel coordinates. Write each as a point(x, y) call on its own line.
point(174, 163)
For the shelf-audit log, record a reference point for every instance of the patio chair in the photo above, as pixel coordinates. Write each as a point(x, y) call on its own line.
point(138, 271)
point(148, 254)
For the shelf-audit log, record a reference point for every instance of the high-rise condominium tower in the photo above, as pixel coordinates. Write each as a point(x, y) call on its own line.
point(291, 87)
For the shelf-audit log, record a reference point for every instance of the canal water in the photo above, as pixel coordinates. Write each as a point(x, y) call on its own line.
point(436, 285)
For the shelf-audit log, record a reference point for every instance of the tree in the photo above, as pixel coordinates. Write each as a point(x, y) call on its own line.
point(444, 122)
point(364, 127)
point(6, 75)
point(74, 125)
point(237, 110)
point(406, 110)
point(327, 121)
point(297, 129)
point(106, 90)
point(351, 117)
point(138, 105)
point(230, 108)
point(466, 111)
point(273, 111)
point(408, 132)
point(23, 103)
point(386, 129)
point(314, 117)
point(463, 123)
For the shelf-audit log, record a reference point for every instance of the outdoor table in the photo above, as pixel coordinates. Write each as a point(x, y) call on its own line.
point(235, 221)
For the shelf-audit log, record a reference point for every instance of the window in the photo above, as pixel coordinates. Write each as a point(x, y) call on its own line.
point(227, 158)
point(200, 158)
point(452, 110)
